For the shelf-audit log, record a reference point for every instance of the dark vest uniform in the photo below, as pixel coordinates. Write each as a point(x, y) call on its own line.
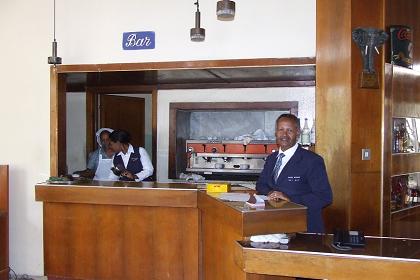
point(134, 163)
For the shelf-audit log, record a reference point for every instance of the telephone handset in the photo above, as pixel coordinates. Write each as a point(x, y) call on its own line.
point(346, 240)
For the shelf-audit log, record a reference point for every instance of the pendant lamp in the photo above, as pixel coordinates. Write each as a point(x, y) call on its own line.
point(54, 59)
point(197, 34)
point(225, 10)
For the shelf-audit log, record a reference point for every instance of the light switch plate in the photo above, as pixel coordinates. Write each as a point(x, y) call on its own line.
point(365, 154)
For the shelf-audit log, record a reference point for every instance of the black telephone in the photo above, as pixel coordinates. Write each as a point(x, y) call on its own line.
point(346, 240)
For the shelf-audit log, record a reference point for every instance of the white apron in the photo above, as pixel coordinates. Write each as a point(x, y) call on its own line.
point(104, 169)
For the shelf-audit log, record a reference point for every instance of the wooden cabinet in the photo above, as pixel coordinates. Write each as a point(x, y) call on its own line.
point(4, 222)
point(350, 118)
point(149, 230)
point(402, 94)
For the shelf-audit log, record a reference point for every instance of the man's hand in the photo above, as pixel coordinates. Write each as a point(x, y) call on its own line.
point(128, 174)
point(87, 173)
point(276, 196)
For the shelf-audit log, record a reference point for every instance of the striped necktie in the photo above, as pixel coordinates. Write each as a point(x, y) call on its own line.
point(277, 166)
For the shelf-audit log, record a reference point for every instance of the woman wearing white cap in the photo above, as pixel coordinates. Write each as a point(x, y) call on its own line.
point(100, 161)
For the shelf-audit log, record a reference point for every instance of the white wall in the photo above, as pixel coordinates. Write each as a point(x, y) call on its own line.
point(305, 97)
point(76, 131)
point(24, 122)
point(91, 32)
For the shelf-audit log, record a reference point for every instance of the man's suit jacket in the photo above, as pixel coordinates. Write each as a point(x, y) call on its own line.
point(304, 180)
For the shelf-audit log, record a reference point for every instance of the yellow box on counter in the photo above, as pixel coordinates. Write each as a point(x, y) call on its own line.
point(217, 187)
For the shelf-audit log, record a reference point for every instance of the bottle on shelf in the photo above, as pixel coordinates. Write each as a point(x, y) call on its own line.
point(404, 138)
point(306, 134)
point(415, 195)
point(313, 135)
point(396, 141)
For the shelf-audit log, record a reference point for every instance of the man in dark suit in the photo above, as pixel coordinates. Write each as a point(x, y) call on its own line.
point(295, 174)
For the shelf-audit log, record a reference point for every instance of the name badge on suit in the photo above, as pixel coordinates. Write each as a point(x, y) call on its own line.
point(293, 178)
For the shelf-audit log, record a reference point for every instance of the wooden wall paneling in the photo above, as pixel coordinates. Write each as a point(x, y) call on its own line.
point(267, 223)
point(4, 222)
point(406, 223)
point(182, 235)
point(87, 241)
point(91, 119)
point(405, 163)
point(387, 151)
point(405, 92)
point(56, 261)
point(366, 204)
point(221, 227)
point(366, 126)
point(333, 103)
point(58, 149)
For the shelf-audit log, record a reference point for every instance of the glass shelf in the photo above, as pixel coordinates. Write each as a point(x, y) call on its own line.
point(405, 192)
point(405, 209)
point(405, 139)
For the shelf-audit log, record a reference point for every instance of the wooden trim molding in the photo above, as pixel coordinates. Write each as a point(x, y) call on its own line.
point(198, 64)
point(58, 84)
point(57, 122)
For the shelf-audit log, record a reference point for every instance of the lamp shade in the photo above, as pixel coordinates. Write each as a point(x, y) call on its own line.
point(225, 10)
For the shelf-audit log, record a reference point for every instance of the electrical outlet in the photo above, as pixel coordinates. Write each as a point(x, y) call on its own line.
point(365, 154)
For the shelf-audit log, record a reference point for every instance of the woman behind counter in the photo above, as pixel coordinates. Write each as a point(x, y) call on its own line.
point(132, 162)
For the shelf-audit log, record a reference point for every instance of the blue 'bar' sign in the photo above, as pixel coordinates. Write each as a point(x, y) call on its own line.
point(138, 40)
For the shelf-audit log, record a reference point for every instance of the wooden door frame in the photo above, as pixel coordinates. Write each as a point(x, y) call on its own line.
point(58, 84)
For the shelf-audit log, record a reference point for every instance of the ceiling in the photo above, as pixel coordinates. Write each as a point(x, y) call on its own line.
point(290, 75)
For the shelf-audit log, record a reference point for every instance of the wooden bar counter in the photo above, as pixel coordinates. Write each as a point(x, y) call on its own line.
point(312, 256)
point(121, 230)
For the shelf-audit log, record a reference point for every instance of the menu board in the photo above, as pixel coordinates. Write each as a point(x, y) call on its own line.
point(401, 46)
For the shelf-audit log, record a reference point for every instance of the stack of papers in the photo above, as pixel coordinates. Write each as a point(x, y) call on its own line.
point(281, 238)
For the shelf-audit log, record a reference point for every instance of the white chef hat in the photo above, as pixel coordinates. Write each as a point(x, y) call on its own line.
point(98, 134)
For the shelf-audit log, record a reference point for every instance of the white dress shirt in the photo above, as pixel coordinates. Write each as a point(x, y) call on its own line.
point(287, 155)
point(145, 161)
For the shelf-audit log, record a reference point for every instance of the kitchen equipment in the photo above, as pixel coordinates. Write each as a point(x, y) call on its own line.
point(228, 157)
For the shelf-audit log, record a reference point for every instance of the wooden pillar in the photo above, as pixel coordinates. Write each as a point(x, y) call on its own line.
point(349, 118)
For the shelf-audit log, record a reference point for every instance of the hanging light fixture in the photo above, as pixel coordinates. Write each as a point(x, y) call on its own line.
point(225, 10)
point(54, 59)
point(197, 34)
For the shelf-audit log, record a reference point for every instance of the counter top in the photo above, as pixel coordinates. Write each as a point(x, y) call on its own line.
point(152, 194)
point(382, 257)
point(124, 184)
point(376, 247)
point(119, 193)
